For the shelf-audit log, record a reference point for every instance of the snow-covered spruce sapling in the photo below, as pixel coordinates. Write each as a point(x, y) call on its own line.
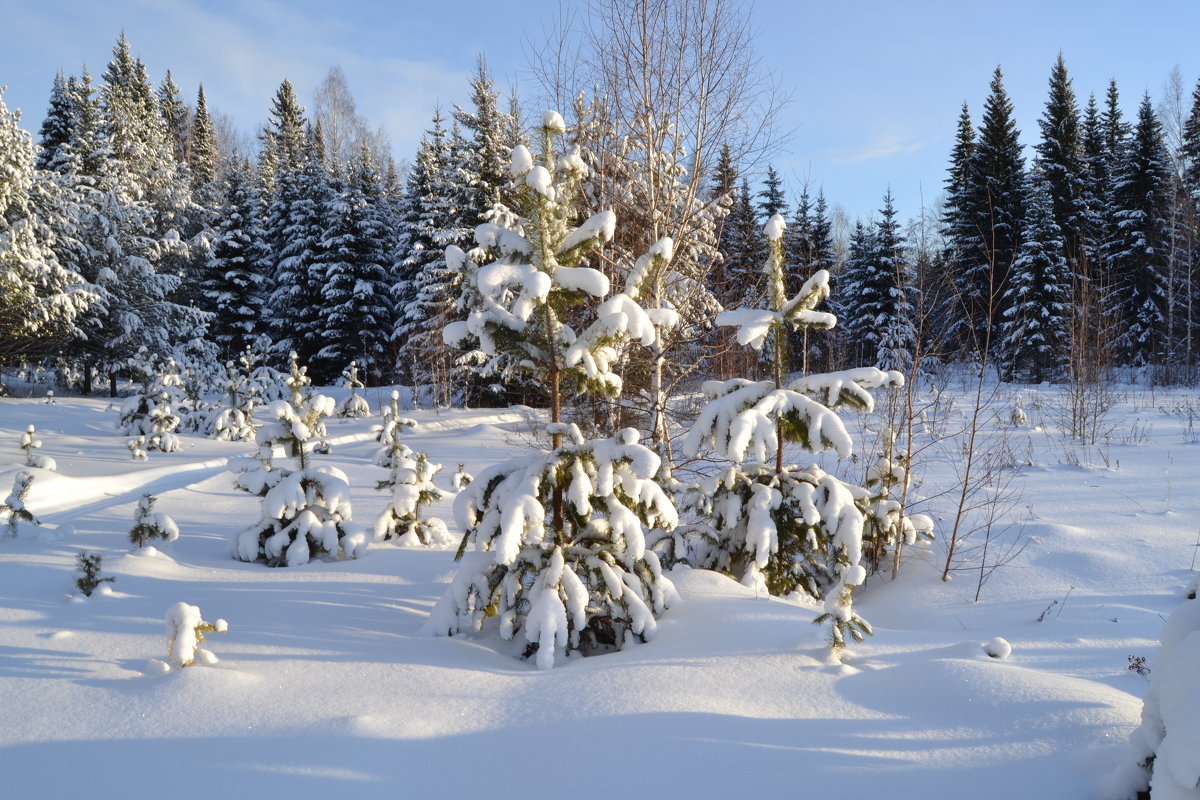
point(147, 412)
point(461, 479)
point(234, 421)
point(149, 524)
point(137, 448)
point(29, 443)
point(185, 632)
point(412, 487)
point(355, 405)
point(305, 512)
point(776, 526)
point(393, 424)
point(554, 543)
point(14, 504)
point(88, 566)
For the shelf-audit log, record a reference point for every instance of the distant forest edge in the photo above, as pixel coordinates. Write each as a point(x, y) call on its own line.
point(135, 219)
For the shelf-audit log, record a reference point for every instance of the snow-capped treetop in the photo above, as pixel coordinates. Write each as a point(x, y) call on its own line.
point(552, 122)
point(774, 228)
point(522, 161)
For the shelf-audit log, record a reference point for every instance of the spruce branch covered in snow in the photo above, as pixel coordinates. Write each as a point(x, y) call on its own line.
point(185, 633)
point(305, 512)
point(778, 526)
point(556, 540)
point(14, 504)
point(149, 524)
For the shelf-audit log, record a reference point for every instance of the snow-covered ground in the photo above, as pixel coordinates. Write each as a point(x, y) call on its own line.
point(326, 683)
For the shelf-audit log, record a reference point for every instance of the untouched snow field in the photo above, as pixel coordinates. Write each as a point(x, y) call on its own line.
point(327, 686)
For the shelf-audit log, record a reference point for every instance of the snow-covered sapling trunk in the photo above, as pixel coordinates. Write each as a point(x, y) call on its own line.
point(556, 540)
point(88, 567)
point(355, 405)
point(149, 524)
point(29, 443)
point(14, 504)
point(305, 512)
point(389, 433)
point(185, 632)
point(778, 526)
point(412, 487)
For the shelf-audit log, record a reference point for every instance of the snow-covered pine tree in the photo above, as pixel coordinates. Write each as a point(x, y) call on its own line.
point(354, 255)
point(42, 301)
point(1036, 325)
point(29, 443)
point(410, 481)
point(234, 418)
point(306, 512)
point(988, 219)
point(780, 527)
point(355, 405)
point(149, 525)
point(233, 284)
point(557, 539)
point(147, 412)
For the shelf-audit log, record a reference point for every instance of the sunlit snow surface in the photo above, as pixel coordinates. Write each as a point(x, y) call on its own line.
point(326, 685)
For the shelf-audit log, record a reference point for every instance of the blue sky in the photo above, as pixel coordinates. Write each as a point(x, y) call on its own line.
point(876, 86)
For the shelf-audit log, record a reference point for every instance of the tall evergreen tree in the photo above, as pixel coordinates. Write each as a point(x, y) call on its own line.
point(232, 286)
point(1036, 324)
point(56, 131)
point(992, 211)
point(203, 157)
point(1059, 157)
point(772, 200)
point(1141, 191)
point(879, 285)
point(175, 115)
point(353, 257)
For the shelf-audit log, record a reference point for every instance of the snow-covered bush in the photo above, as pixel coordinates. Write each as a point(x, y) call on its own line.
point(412, 487)
point(305, 512)
point(782, 527)
point(29, 443)
point(185, 632)
point(14, 504)
point(88, 566)
point(1165, 757)
point(355, 405)
point(137, 448)
point(393, 425)
point(149, 524)
point(554, 547)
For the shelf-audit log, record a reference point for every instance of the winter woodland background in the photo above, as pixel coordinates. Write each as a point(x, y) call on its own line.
point(705, 377)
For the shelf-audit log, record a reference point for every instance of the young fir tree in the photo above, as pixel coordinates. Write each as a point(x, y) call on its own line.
point(410, 481)
point(554, 547)
point(355, 405)
point(185, 633)
point(776, 526)
point(150, 525)
point(88, 565)
point(234, 417)
point(147, 414)
point(203, 155)
point(1036, 340)
point(306, 512)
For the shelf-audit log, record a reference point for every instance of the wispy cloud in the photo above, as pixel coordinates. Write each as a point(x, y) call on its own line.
point(880, 145)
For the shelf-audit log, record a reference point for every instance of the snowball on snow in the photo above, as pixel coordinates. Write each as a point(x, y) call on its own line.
point(998, 648)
